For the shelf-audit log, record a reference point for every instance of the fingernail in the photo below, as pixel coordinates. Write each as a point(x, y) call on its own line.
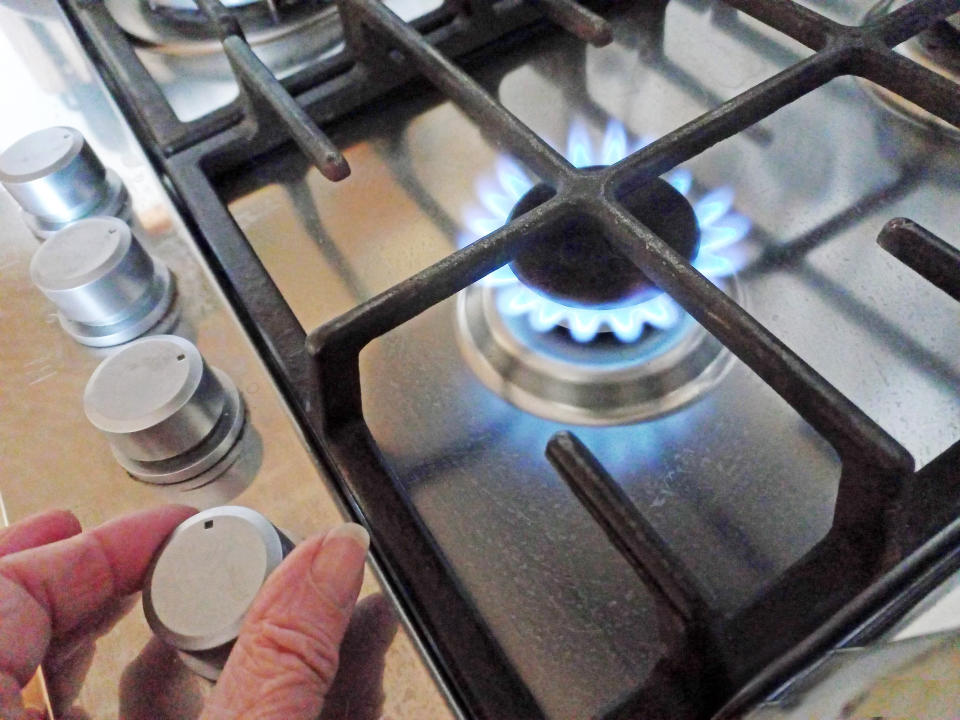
point(337, 567)
point(355, 532)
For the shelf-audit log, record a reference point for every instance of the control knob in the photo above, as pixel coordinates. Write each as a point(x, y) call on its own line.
point(168, 415)
point(107, 289)
point(57, 179)
point(202, 581)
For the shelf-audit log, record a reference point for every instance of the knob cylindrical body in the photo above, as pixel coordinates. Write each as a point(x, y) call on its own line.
point(167, 414)
point(95, 271)
point(54, 175)
point(155, 399)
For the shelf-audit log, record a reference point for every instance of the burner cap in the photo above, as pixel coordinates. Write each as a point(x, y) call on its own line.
point(577, 267)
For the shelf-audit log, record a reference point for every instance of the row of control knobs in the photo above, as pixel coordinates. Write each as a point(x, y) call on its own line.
point(168, 416)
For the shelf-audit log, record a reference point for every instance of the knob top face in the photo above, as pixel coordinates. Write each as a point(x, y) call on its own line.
point(206, 576)
point(143, 384)
point(39, 154)
point(80, 253)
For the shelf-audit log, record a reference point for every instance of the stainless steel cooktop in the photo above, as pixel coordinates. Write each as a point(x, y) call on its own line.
point(735, 481)
point(463, 398)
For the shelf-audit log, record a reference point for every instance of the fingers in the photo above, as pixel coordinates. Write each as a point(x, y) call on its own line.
point(286, 657)
point(11, 704)
point(53, 588)
point(39, 529)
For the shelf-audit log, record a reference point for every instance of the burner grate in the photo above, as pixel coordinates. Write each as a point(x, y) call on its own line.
point(697, 669)
point(875, 468)
point(877, 520)
point(922, 251)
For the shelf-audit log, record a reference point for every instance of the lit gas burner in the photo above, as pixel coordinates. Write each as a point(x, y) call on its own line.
point(578, 334)
point(628, 301)
point(937, 49)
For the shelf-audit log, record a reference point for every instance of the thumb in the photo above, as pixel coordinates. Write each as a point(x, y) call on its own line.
point(286, 656)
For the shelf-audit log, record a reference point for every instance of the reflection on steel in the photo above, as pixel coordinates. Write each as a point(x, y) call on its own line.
point(791, 620)
point(922, 251)
point(690, 678)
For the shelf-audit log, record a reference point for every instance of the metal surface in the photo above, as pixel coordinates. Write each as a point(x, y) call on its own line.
point(53, 457)
point(58, 179)
point(106, 287)
point(691, 678)
point(818, 179)
point(606, 383)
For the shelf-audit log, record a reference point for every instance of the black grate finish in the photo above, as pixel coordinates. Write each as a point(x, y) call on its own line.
point(884, 535)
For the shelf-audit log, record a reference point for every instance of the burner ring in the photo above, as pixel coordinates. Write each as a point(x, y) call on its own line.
point(600, 383)
point(931, 49)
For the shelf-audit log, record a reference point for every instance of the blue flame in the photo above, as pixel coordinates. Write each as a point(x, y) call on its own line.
point(720, 227)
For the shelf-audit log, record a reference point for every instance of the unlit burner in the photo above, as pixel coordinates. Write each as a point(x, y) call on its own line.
point(180, 24)
point(936, 48)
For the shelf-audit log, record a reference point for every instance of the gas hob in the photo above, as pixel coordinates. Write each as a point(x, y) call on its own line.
point(598, 340)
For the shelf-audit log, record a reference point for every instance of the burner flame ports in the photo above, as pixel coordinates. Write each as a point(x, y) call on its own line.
point(636, 305)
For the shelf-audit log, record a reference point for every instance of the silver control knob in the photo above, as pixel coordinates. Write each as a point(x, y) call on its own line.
point(202, 581)
point(107, 288)
point(169, 417)
point(57, 179)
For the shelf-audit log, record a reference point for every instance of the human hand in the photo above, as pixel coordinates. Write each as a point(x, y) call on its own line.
point(285, 661)
point(56, 597)
point(60, 587)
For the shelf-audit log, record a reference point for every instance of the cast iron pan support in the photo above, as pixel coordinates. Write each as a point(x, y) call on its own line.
point(266, 101)
point(690, 678)
point(875, 469)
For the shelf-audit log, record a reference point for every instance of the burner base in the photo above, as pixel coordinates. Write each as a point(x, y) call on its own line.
point(604, 382)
